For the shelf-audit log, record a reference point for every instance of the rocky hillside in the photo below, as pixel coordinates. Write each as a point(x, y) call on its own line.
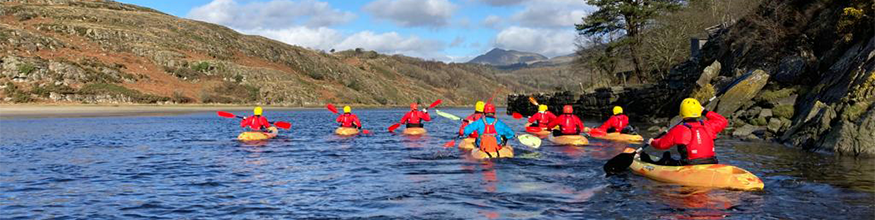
point(806, 72)
point(108, 52)
point(499, 57)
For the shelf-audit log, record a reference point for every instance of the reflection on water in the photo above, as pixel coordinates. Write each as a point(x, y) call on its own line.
point(190, 166)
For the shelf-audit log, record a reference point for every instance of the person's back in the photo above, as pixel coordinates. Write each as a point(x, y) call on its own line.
point(542, 118)
point(414, 117)
point(256, 121)
point(493, 132)
point(348, 119)
point(694, 138)
point(617, 122)
point(569, 124)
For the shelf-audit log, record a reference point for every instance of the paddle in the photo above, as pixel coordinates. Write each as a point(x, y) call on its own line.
point(331, 108)
point(517, 115)
point(279, 124)
point(622, 161)
point(530, 140)
point(396, 125)
point(447, 115)
point(597, 132)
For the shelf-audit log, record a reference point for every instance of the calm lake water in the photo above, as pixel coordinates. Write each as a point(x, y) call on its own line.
point(191, 166)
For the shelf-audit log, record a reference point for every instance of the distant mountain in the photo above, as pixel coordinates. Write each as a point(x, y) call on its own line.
point(500, 57)
point(101, 51)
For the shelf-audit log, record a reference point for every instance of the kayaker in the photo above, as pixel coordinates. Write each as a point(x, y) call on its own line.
point(542, 118)
point(569, 124)
point(348, 119)
point(619, 122)
point(414, 118)
point(694, 138)
point(255, 122)
point(493, 132)
point(478, 113)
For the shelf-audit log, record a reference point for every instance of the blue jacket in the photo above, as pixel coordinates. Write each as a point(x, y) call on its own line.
point(500, 127)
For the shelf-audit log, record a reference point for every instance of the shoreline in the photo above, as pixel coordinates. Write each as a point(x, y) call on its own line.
point(24, 111)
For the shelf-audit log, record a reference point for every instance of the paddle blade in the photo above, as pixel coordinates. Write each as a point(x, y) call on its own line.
point(532, 100)
point(331, 108)
point(283, 125)
point(517, 115)
point(530, 140)
point(393, 127)
point(225, 114)
point(597, 132)
point(619, 163)
point(435, 103)
point(450, 144)
point(447, 115)
point(534, 129)
point(366, 131)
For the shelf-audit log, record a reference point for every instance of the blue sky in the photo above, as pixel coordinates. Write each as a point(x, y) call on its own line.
point(444, 30)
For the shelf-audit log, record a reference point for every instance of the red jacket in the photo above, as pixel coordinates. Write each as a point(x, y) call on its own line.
point(568, 123)
point(255, 122)
point(468, 120)
point(349, 120)
point(618, 122)
point(696, 136)
point(543, 119)
point(415, 117)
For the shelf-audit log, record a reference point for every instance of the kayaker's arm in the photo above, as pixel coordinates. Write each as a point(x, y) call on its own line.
point(673, 137)
point(474, 126)
point(715, 122)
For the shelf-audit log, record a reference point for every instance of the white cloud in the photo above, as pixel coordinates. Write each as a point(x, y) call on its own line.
point(393, 43)
point(413, 13)
point(270, 15)
point(315, 38)
point(553, 13)
point(491, 21)
point(549, 42)
point(502, 2)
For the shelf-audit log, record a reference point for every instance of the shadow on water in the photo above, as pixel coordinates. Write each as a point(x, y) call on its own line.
point(190, 166)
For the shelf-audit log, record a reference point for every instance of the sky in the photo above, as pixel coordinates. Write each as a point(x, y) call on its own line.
point(442, 30)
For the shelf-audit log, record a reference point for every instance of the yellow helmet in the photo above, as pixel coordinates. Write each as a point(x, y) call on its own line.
point(691, 108)
point(618, 110)
point(542, 108)
point(347, 109)
point(257, 110)
point(479, 106)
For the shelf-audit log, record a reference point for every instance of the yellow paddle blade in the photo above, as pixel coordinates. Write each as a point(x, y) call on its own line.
point(532, 100)
point(530, 140)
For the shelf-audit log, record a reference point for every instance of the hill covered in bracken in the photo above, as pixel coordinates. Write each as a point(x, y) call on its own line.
point(62, 51)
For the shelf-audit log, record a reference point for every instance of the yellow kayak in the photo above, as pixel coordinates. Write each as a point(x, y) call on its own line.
point(708, 175)
point(343, 131)
point(505, 152)
point(618, 137)
point(575, 140)
point(414, 131)
point(258, 135)
point(467, 143)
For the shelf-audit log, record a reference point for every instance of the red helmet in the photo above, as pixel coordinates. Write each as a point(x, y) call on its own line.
point(489, 108)
point(412, 106)
point(567, 109)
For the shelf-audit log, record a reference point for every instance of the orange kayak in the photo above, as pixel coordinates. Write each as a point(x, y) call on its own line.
point(708, 175)
point(258, 135)
point(343, 131)
point(505, 152)
point(618, 137)
point(467, 143)
point(414, 131)
point(576, 140)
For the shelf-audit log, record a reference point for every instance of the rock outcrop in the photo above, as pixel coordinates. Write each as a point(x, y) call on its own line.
point(814, 88)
